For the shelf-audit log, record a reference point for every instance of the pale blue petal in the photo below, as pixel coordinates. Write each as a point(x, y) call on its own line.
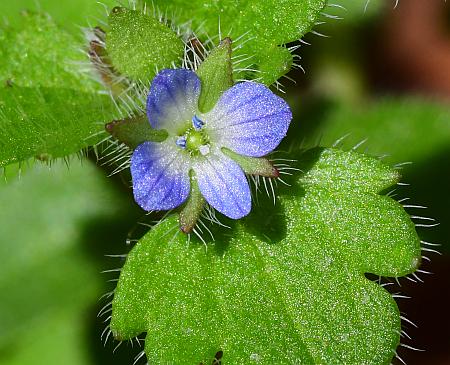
point(249, 119)
point(160, 175)
point(224, 185)
point(173, 99)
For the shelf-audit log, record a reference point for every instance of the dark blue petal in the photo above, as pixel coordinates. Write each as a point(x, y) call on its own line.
point(224, 185)
point(173, 99)
point(249, 119)
point(160, 175)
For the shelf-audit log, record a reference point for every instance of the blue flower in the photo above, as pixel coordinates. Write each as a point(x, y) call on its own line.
point(248, 119)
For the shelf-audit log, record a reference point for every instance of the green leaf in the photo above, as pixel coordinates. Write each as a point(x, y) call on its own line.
point(70, 14)
point(63, 333)
point(41, 54)
point(264, 27)
point(286, 285)
point(49, 122)
point(48, 106)
point(13, 171)
point(408, 131)
point(139, 45)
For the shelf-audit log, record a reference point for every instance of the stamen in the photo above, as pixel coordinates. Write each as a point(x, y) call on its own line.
point(181, 142)
point(197, 123)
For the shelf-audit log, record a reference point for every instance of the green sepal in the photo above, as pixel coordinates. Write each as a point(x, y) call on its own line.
point(216, 75)
point(253, 165)
point(190, 213)
point(135, 130)
point(139, 45)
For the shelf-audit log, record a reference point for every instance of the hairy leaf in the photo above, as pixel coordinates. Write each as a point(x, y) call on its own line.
point(48, 106)
point(41, 54)
point(408, 131)
point(263, 27)
point(48, 122)
point(139, 45)
point(284, 286)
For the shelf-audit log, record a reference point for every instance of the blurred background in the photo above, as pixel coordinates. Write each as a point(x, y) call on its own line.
point(379, 75)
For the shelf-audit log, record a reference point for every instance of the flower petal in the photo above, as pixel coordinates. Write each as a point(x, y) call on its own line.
point(160, 173)
point(249, 119)
point(173, 99)
point(224, 185)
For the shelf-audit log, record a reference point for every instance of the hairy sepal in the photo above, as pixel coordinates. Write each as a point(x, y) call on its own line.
point(216, 75)
point(259, 166)
point(192, 209)
point(134, 130)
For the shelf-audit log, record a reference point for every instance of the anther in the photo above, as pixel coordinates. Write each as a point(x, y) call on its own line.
point(197, 123)
point(181, 142)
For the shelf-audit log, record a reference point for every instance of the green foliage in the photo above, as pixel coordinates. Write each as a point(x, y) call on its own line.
point(48, 107)
point(407, 129)
point(269, 24)
point(49, 280)
point(41, 54)
point(70, 14)
point(48, 122)
point(139, 45)
point(286, 285)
